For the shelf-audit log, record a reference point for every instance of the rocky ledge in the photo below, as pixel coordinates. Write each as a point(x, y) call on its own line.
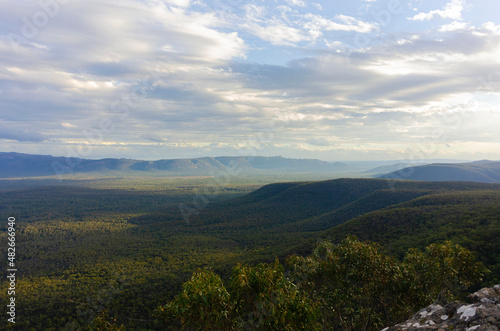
point(481, 314)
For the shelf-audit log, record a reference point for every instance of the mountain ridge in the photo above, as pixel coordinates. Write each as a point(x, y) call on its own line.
point(484, 171)
point(398, 214)
point(14, 165)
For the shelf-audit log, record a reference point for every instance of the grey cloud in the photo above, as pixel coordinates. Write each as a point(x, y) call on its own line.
point(153, 137)
point(204, 98)
point(332, 78)
point(21, 135)
point(109, 69)
point(318, 142)
point(189, 94)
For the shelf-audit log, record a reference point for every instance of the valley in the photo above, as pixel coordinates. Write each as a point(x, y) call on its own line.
point(125, 245)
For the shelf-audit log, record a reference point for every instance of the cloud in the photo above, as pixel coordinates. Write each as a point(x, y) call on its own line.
point(180, 3)
point(68, 125)
point(454, 26)
point(153, 137)
point(319, 141)
point(291, 28)
point(185, 78)
point(379, 93)
point(281, 34)
point(21, 135)
point(345, 23)
point(298, 3)
point(317, 6)
point(452, 10)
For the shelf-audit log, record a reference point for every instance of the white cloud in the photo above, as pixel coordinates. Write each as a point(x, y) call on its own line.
point(180, 67)
point(68, 125)
point(320, 141)
point(490, 26)
point(453, 26)
point(317, 6)
point(180, 3)
point(452, 10)
point(298, 3)
point(347, 23)
point(281, 34)
point(291, 28)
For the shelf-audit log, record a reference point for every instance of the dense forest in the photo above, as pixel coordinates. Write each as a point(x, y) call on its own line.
point(349, 286)
point(115, 251)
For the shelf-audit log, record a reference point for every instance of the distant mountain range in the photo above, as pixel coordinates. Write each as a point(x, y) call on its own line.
point(17, 165)
point(480, 171)
point(14, 165)
point(390, 168)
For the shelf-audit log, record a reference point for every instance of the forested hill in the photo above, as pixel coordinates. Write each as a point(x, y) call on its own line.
point(479, 171)
point(280, 204)
point(290, 217)
point(27, 165)
point(126, 247)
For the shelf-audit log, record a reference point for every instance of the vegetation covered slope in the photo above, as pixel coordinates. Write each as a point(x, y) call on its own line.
point(125, 246)
point(480, 171)
point(471, 219)
point(350, 286)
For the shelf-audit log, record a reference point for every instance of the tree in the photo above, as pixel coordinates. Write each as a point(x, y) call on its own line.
point(354, 283)
point(441, 272)
point(264, 299)
point(203, 304)
point(102, 323)
point(259, 298)
point(349, 286)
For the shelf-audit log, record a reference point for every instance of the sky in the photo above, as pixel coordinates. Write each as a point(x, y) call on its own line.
point(333, 80)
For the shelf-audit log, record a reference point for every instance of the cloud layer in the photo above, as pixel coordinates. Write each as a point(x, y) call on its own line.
point(166, 79)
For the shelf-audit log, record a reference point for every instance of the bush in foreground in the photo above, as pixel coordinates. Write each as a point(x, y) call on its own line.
point(349, 286)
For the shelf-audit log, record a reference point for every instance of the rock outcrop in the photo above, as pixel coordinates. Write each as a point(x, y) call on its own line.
point(481, 314)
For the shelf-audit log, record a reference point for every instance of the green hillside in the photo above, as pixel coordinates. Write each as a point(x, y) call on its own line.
point(471, 219)
point(124, 245)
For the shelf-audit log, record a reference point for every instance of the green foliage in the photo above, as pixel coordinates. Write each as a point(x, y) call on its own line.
point(350, 286)
point(203, 304)
point(357, 285)
point(442, 272)
point(259, 298)
point(102, 322)
point(467, 218)
point(82, 250)
point(122, 245)
point(264, 299)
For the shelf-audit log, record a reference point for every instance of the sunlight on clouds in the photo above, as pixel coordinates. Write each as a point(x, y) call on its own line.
point(193, 35)
point(452, 10)
point(68, 125)
point(180, 3)
point(453, 26)
point(427, 63)
point(281, 35)
point(88, 84)
point(316, 22)
point(54, 78)
point(299, 3)
point(291, 28)
point(492, 27)
point(217, 77)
